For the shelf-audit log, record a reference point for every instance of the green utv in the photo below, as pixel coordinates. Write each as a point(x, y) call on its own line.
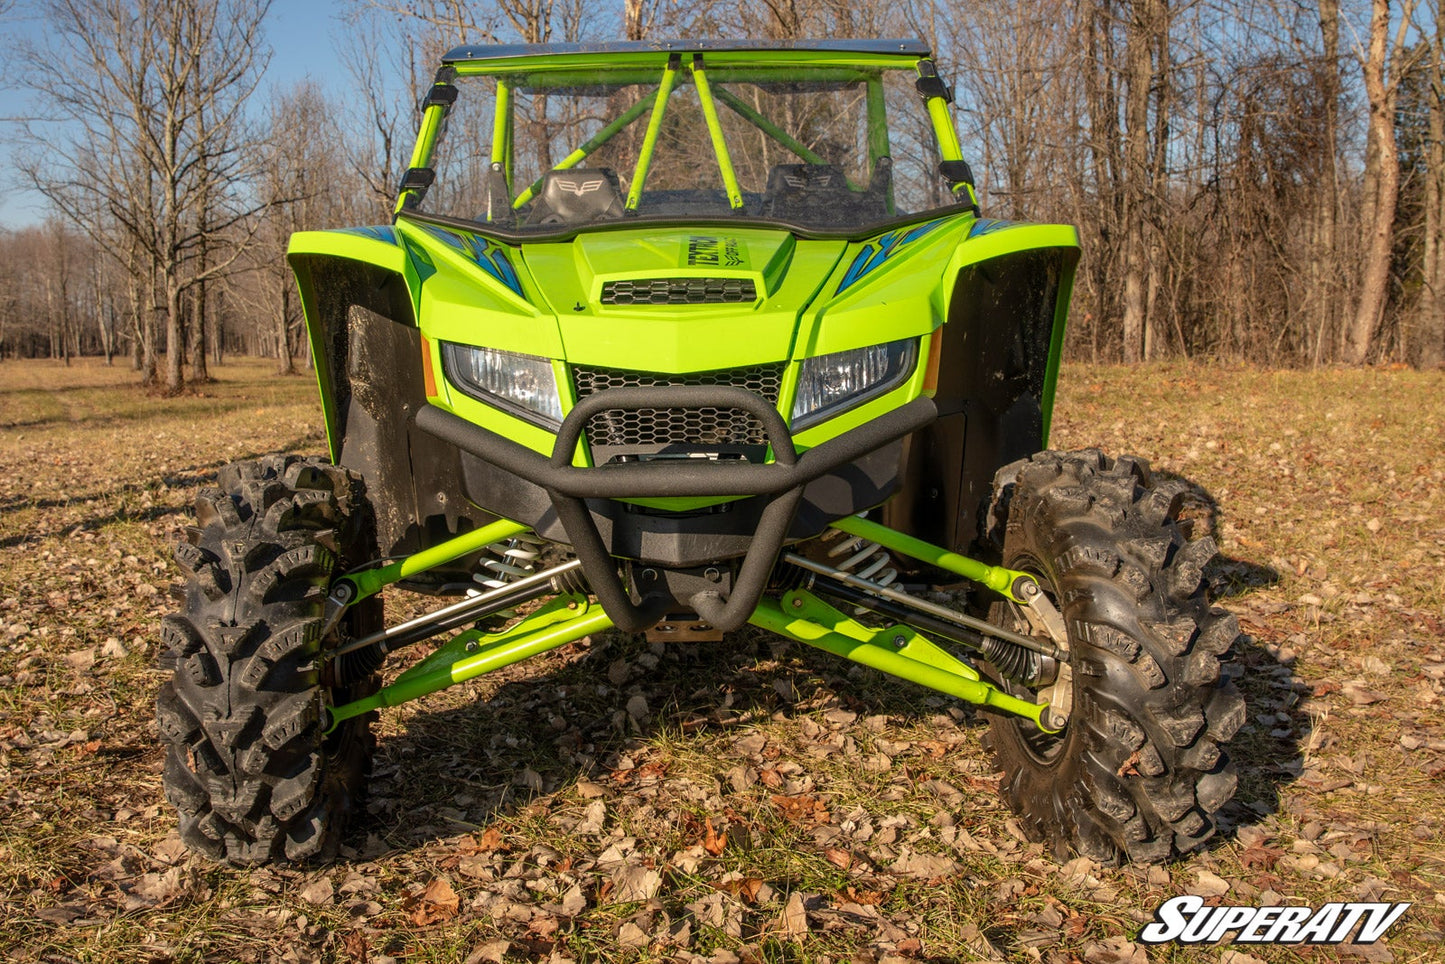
point(674, 338)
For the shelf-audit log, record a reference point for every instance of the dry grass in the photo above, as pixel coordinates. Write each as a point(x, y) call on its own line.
point(531, 816)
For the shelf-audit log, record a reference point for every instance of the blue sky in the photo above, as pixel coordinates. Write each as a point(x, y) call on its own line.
point(302, 35)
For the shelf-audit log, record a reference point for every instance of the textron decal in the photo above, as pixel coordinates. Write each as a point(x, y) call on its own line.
point(377, 232)
point(708, 250)
point(880, 249)
point(989, 226)
point(491, 258)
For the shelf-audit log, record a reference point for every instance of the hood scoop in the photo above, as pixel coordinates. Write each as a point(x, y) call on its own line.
point(679, 291)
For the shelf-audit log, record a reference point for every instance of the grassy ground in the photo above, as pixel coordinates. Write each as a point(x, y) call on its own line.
point(752, 802)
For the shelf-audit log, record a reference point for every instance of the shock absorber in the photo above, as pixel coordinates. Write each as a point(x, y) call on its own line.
point(512, 559)
point(864, 559)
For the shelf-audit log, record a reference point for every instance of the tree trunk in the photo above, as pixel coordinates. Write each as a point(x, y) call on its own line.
point(1324, 289)
point(1431, 352)
point(199, 373)
point(284, 364)
point(1382, 187)
point(175, 337)
point(1145, 20)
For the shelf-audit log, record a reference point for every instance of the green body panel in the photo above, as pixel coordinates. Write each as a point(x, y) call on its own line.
point(367, 246)
point(800, 311)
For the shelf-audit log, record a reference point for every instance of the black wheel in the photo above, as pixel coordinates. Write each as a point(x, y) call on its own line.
point(1136, 772)
point(248, 766)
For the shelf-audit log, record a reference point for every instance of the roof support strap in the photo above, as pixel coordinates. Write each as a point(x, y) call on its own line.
point(714, 127)
point(654, 127)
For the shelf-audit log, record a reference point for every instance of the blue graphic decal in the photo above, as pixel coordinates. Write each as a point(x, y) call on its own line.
point(989, 225)
point(879, 250)
point(419, 259)
point(378, 232)
point(490, 257)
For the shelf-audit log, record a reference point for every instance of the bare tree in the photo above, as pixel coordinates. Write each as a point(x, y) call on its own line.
point(163, 122)
point(1430, 351)
point(1381, 66)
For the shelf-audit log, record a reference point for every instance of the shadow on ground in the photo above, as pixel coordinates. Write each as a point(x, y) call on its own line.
point(456, 769)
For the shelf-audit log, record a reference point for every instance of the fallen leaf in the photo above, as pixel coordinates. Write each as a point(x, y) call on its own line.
point(492, 952)
point(80, 660)
point(633, 882)
point(435, 904)
point(794, 919)
point(714, 842)
point(630, 935)
point(318, 891)
point(1207, 884)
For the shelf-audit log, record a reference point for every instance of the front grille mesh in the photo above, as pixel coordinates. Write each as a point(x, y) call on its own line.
point(677, 426)
point(680, 291)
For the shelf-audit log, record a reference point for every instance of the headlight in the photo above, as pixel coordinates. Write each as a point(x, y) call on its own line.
point(829, 383)
point(521, 384)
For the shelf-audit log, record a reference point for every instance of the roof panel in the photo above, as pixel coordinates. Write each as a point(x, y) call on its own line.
point(485, 52)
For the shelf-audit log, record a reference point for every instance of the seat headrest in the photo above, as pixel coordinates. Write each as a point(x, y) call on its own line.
point(577, 195)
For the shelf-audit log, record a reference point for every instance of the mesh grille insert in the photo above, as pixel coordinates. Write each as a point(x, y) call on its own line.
point(680, 291)
point(678, 426)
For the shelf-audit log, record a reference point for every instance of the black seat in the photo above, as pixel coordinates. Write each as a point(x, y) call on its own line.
point(819, 193)
point(576, 196)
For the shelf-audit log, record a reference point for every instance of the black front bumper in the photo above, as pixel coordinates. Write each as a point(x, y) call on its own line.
point(778, 487)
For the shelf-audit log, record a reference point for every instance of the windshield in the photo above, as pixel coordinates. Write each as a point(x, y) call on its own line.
point(827, 149)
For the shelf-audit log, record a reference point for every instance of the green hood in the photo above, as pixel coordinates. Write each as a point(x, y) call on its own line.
point(566, 298)
point(560, 299)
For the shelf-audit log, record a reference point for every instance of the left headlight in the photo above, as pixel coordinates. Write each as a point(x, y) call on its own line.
point(520, 384)
point(829, 383)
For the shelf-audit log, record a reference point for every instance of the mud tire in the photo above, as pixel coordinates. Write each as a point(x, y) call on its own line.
point(247, 764)
point(1138, 773)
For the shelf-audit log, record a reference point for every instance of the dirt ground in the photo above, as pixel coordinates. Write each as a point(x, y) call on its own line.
point(614, 801)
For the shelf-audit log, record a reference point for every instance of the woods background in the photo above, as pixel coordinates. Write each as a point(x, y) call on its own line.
point(1259, 180)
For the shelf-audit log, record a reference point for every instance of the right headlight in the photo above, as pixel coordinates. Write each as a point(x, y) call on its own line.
point(828, 384)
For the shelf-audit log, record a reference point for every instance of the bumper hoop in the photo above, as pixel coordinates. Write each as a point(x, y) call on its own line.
point(568, 486)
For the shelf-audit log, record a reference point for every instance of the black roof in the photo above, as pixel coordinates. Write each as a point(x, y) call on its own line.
point(912, 47)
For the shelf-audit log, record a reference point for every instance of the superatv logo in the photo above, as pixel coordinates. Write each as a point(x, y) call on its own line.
point(1187, 921)
point(711, 251)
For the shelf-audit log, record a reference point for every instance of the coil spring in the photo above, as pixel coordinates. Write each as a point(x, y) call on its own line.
point(865, 559)
point(514, 559)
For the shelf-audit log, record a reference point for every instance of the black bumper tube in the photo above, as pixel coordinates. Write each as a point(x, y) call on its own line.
point(568, 485)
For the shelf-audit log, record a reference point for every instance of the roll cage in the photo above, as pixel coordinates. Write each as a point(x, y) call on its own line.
point(710, 68)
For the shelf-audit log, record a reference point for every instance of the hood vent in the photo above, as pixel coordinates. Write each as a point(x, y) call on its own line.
point(680, 291)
